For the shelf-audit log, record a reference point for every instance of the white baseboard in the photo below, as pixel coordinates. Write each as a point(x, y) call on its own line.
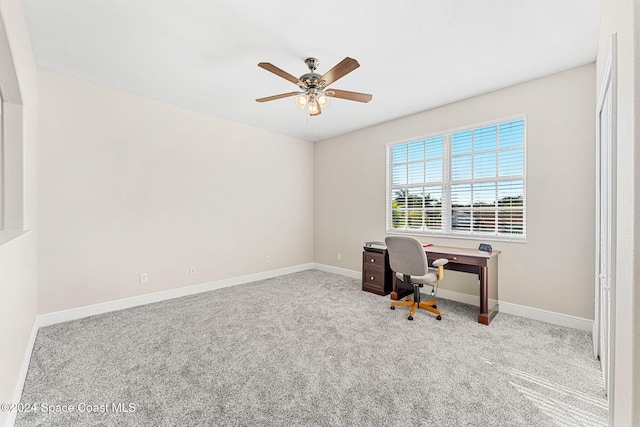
point(22, 374)
point(342, 271)
point(547, 316)
point(91, 310)
point(552, 317)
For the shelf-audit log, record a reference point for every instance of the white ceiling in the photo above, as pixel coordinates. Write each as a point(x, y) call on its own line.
point(414, 54)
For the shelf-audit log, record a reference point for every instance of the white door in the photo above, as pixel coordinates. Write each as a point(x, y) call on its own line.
point(603, 260)
point(603, 332)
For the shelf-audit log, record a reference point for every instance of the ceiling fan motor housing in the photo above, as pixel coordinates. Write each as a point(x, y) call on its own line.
point(310, 80)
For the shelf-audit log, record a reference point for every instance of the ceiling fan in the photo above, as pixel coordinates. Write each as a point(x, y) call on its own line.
point(315, 94)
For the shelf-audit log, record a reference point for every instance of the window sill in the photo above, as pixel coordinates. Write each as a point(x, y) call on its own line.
point(9, 238)
point(487, 238)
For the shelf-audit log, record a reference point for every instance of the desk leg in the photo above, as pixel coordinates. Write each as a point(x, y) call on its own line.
point(487, 312)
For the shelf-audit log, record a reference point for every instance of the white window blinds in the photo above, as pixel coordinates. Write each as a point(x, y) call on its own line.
point(464, 183)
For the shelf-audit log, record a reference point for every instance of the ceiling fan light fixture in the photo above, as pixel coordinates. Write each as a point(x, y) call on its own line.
point(313, 108)
point(323, 100)
point(301, 101)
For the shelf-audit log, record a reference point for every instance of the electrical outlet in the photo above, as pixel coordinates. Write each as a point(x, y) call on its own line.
point(267, 259)
point(339, 256)
point(144, 278)
point(192, 271)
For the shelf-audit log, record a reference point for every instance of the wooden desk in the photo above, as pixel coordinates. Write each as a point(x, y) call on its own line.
point(484, 264)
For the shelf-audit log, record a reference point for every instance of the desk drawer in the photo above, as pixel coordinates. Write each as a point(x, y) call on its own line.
point(373, 277)
point(457, 259)
point(373, 259)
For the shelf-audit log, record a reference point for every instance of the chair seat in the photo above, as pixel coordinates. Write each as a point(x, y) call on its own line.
point(430, 277)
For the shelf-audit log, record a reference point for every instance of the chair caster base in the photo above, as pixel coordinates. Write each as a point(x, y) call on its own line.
point(434, 306)
point(410, 318)
point(393, 307)
point(439, 318)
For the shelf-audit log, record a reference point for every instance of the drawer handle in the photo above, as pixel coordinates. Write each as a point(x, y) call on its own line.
point(373, 277)
point(373, 260)
point(454, 258)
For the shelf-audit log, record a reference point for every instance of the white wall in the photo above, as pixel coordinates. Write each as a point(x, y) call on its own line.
point(128, 185)
point(623, 17)
point(553, 269)
point(18, 277)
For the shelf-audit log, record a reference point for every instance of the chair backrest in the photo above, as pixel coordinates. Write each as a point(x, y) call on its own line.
point(406, 255)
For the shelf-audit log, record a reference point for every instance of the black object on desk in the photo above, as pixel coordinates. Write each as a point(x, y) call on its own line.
point(485, 247)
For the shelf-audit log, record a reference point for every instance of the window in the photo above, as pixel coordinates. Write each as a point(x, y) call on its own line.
point(13, 141)
point(468, 183)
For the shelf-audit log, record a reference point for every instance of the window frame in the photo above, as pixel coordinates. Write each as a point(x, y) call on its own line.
point(447, 182)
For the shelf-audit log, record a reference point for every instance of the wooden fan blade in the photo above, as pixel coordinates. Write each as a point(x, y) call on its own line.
point(278, 72)
point(282, 95)
point(343, 68)
point(351, 96)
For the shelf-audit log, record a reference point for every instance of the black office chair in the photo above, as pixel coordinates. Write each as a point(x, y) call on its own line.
point(409, 261)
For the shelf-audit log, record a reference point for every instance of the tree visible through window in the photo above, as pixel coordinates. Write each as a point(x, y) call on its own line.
point(464, 183)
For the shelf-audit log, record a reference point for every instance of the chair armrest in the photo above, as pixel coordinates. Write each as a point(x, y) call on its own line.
point(440, 264)
point(440, 261)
